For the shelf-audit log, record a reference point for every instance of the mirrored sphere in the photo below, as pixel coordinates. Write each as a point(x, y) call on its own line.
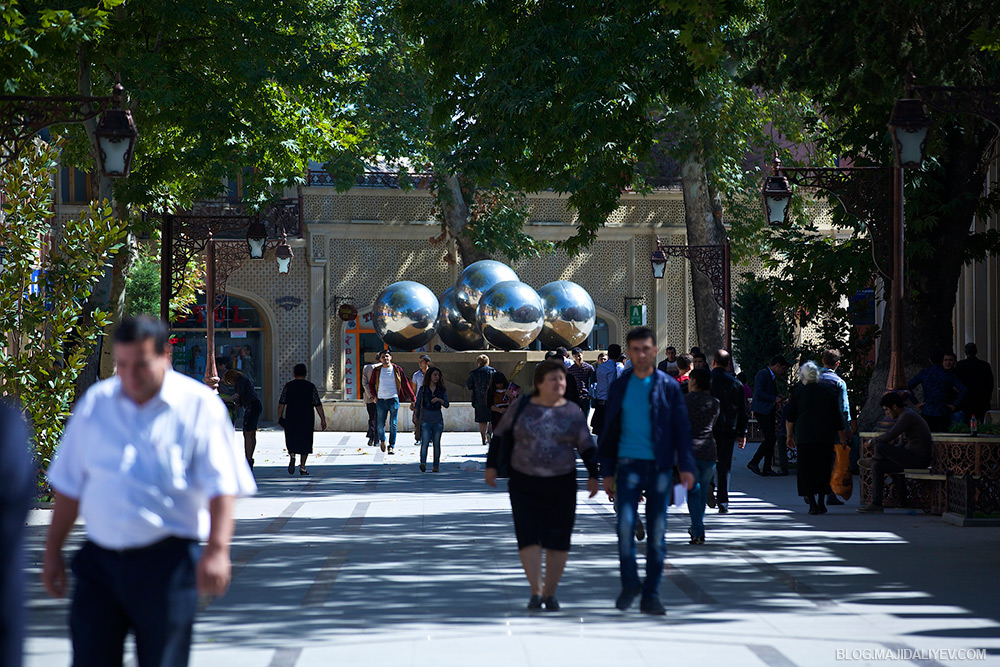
point(455, 331)
point(510, 315)
point(569, 315)
point(405, 314)
point(475, 280)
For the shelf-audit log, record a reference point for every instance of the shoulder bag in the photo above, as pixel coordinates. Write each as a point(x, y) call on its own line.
point(502, 445)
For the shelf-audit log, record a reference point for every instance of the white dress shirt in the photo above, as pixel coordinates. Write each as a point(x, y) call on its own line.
point(143, 473)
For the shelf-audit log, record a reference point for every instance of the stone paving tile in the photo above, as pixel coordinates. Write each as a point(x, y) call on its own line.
point(369, 562)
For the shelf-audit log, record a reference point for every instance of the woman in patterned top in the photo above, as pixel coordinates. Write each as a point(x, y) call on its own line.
point(548, 433)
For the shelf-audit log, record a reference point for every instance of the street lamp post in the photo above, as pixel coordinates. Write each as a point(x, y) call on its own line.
point(712, 260)
point(21, 117)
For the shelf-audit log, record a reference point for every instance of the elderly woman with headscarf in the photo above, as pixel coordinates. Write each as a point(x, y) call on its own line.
point(813, 424)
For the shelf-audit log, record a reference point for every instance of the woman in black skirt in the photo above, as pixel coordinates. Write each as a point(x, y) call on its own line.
point(813, 423)
point(548, 433)
point(295, 414)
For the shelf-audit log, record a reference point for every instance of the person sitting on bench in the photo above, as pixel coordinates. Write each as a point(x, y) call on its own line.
point(913, 452)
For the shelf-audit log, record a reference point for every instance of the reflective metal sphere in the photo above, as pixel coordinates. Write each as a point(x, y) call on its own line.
point(455, 331)
point(475, 280)
point(569, 315)
point(510, 315)
point(405, 314)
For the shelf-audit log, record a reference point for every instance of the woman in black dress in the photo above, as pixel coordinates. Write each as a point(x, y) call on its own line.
point(246, 397)
point(813, 423)
point(549, 431)
point(295, 413)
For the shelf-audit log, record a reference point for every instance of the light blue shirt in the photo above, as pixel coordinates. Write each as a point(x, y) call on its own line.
point(637, 421)
point(830, 376)
point(607, 373)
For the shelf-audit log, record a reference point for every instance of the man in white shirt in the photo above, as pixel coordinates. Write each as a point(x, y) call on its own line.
point(423, 363)
point(148, 459)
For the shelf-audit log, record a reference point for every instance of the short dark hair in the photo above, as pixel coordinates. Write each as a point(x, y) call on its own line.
point(695, 349)
point(670, 348)
point(701, 377)
point(614, 351)
point(779, 360)
point(378, 355)
point(562, 351)
point(640, 333)
point(424, 357)
point(949, 353)
point(551, 354)
point(498, 378)
point(971, 350)
point(576, 351)
point(300, 370)
point(892, 399)
point(699, 355)
point(143, 328)
point(722, 359)
point(546, 367)
point(684, 361)
point(831, 358)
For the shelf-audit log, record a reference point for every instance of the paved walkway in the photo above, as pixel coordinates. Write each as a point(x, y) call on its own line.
point(369, 562)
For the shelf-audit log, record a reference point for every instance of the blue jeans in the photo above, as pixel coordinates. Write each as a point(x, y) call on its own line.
point(698, 496)
point(431, 432)
point(635, 477)
point(383, 407)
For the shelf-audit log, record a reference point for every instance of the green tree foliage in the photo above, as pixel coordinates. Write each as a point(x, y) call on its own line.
point(761, 328)
point(45, 334)
point(142, 290)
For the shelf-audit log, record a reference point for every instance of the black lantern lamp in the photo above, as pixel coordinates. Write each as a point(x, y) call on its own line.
point(257, 239)
point(659, 261)
point(776, 194)
point(283, 255)
point(116, 134)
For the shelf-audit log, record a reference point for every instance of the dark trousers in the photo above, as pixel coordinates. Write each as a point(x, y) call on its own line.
point(892, 458)
point(584, 404)
point(372, 417)
point(149, 591)
point(725, 444)
point(635, 478)
point(765, 451)
point(597, 421)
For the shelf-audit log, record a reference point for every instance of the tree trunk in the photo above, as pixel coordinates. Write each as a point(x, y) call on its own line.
point(703, 219)
point(932, 277)
point(455, 212)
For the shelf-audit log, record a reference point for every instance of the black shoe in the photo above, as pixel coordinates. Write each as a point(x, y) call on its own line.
point(291, 467)
point(535, 602)
point(434, 469)
point(754, 468)
point(769, 473)
point(723, 509)
point(870, 509)
point(551, 603)
point(423, 468)
point(382, 445)
point(626, 598)
point(782, 472)
point(652, 606)
point(640, 532)
point(250, 461)
point(833, 500)
point(710, 500)
point(697, 540)
point(813, 509)
point(822, 509)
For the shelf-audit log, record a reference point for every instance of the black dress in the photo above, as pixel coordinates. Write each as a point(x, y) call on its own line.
point(300, 399)
point(815, 411)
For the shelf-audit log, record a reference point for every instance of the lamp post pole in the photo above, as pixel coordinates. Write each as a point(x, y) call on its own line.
point(211, 373)
point(897, 371)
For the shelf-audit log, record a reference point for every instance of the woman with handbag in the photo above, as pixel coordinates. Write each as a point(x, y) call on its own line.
point(295, 414)
point(540, 436)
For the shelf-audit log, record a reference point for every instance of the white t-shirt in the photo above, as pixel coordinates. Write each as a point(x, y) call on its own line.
point(387, 383)
point(143, 473)
point(418, 380)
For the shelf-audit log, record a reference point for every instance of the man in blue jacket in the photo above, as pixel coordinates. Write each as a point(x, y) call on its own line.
point(646, 433)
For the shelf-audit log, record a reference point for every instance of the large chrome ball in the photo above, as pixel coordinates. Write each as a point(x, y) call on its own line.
point(475, 280)
point(405, 314)
point(455, 331)
point(510, 315)
point(569, 315)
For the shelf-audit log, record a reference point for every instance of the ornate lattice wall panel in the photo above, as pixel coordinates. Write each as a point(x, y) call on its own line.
point(290, 341)
point(648, 212)
point(362, 268)
point(398, 208)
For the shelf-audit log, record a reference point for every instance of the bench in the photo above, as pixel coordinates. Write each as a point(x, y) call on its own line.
point(929, 486)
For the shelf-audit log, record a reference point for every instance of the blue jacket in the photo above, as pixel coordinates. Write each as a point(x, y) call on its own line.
point(671, 428)
point(765, 392)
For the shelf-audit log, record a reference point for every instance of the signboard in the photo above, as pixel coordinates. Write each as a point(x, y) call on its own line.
point(352, 374)
point(347, 312)
point(862, 308)
point(637, 315)
point(237, 334)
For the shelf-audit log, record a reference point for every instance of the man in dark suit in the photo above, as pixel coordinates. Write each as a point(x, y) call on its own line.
point(977, 376)
point(731, 427)
point(16, 491)
point(765, 401)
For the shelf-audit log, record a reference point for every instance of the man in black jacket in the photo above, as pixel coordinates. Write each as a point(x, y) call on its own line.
point(16, 491)
point(731, 426)
point(977, 376)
